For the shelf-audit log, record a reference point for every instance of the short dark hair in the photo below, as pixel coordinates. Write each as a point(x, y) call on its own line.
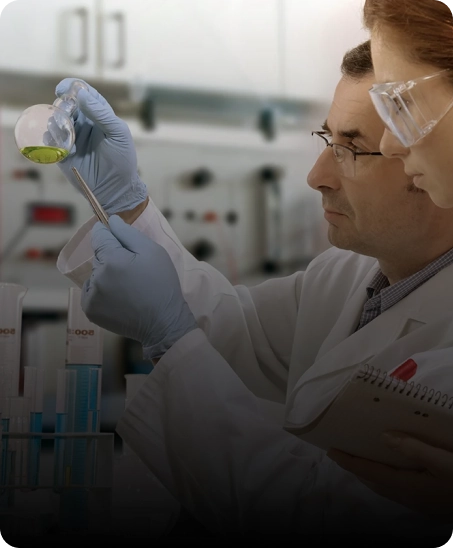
point(358, 63)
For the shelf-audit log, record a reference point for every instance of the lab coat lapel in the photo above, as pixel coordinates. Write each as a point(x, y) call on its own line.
point(316, 336)
point(349, 319)
point(341, 354)
point(322, 382)
point(427, 303)
point(358, 348)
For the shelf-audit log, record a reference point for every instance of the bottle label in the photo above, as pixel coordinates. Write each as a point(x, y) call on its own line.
point(84, 346)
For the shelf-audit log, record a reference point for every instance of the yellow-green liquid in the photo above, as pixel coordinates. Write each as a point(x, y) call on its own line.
point(44, 155)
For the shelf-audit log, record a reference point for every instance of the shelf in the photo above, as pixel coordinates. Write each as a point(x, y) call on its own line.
point(155, 103)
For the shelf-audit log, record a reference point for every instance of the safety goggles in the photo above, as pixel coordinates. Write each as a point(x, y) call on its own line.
point(411, 109)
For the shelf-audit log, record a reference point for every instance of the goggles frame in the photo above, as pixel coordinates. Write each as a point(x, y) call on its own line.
point(392, 107)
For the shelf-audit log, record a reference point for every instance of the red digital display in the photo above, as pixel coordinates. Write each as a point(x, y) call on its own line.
point(49, 214)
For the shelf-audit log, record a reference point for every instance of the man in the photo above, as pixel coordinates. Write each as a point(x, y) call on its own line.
point(208, 420)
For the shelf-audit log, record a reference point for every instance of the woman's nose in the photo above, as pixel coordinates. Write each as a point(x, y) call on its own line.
point(391, 146)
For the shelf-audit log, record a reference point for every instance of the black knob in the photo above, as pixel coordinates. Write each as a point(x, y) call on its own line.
point(267, 123)
point(147, 113)
point(231, 217)
point(270, 266)
point(270, 173)
point(202, 177)
point(33, 174)
point(190, 215)
point(203, 249)
point(167, 213)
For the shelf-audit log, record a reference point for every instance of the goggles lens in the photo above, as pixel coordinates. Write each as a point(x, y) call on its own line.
point(411, 110)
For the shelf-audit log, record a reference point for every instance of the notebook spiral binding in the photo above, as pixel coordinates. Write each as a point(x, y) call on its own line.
point(374, 376)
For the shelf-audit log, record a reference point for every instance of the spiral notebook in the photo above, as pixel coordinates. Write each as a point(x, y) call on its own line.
point(373, 402)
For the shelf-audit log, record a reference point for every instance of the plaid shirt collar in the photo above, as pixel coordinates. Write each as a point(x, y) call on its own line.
point(392, 294)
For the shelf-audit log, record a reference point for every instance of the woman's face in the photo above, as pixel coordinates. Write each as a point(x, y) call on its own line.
point(430, 160)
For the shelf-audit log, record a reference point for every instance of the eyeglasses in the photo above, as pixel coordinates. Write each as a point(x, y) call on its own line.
point(345, 157)
point(411, 109)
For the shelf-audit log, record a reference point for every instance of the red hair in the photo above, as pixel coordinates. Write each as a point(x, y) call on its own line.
point(426, 26)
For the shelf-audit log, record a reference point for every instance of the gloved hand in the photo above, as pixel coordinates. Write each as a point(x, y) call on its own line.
point(104, 153)
point(134, 289)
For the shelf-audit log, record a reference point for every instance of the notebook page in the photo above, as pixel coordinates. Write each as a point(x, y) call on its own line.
point(363, 410)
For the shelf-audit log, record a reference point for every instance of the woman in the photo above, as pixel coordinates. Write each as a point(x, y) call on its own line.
point(412, 50)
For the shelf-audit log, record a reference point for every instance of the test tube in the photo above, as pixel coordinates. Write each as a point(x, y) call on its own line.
point(34, 391)
point(5, 391)
point(94, 406)
point(19, 422)
point(94, 400)
point(84, 358)
point(11, 297)
point(65, 404)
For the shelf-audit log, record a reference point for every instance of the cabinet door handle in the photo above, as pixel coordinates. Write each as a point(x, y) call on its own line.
point(82, 13)
point(120, 19)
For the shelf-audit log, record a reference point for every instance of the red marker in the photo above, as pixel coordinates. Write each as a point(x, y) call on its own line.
point(405, 371)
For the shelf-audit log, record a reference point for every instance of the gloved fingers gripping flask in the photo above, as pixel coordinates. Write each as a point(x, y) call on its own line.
point(45, 134)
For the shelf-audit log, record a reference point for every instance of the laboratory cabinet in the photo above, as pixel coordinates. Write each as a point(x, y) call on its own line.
point(83, 38)
point(200, 44)
point(49, 36)
point(316, 37)
point(228, 46)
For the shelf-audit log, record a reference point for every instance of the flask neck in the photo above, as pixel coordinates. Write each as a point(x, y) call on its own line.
point(68, 102)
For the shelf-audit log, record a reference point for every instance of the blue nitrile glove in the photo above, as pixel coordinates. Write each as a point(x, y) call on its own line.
point(104, 153)
point(134, 289)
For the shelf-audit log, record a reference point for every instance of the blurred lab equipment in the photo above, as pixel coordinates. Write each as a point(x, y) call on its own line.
point(16, 464)
point(11, 405)
point(45, 134)
point(84, 358)
point(270, 177)
point(34, 393)
point(69, 481)
point(69, 487)
point(39, 214)
point(11, 299)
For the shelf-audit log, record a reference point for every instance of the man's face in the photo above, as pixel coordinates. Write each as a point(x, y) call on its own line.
point(378, 212)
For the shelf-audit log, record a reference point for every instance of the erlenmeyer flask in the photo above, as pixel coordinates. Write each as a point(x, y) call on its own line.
point(11, 297)
point(45, 134)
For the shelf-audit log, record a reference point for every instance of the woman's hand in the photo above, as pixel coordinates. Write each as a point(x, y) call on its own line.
point(429, 490)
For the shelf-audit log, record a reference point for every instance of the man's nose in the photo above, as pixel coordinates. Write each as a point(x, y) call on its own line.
point(391, 146)
point(324, 173)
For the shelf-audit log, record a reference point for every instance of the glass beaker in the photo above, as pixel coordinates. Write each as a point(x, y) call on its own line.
point(45, 134)
point(11, 297)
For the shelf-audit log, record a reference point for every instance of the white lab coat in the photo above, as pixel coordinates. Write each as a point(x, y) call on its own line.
point(208, 420)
